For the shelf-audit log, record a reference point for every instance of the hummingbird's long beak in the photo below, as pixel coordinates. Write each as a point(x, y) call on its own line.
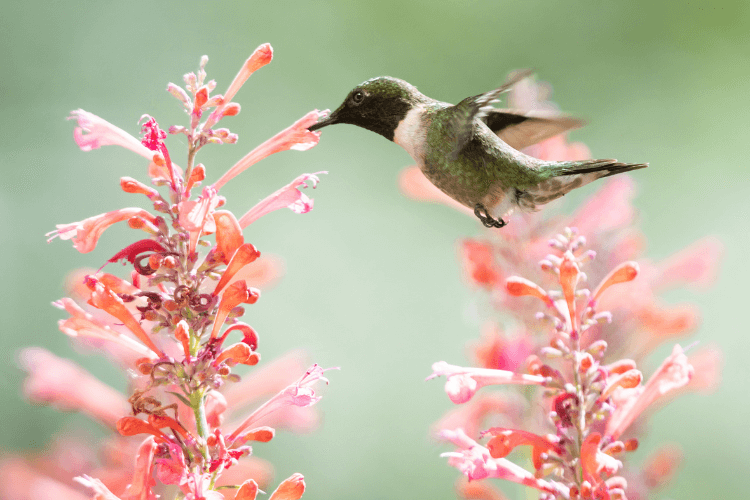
point(328, 120)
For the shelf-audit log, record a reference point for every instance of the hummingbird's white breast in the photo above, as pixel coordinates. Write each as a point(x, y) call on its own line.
point(411, 134)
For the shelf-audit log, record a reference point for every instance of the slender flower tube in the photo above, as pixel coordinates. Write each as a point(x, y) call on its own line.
point(196, 216)
point(85, 234)
point(519, 287)
point(101, 492)
point(104, 298)
point(228, 234)
point(140, 487)
point(67, 386)
point(259, 58)
point(247, 491)
point(298, 394)
point(505, 440)
point(569, 274)
point(236, 294)
point(244, 255)
point(83, 324)
point(475, 462)
point(132, 426)
point(99, 132)
point(295, 137)
point(287, 197)
point(463, 383)
point(291, 488)
point(627, 271)
point(674, 372)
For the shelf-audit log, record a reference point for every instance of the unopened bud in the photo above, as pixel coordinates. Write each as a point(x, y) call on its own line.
point(631, 444)
point(598, 347)
point(179, 93)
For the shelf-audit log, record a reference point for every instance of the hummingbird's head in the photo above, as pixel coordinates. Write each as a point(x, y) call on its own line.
point(378, 104)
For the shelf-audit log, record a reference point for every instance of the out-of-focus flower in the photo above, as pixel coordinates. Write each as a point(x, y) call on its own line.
point(674, 372)
point(463, 383)
point(592, 404)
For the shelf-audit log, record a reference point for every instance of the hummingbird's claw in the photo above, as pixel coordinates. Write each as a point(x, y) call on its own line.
point(486, 219)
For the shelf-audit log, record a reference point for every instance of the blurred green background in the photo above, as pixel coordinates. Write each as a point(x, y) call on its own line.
point(373, 283)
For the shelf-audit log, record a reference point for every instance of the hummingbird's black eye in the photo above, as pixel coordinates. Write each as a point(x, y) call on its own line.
point(358, 97)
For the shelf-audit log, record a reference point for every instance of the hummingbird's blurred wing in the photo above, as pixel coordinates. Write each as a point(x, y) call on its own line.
point(479, 106)
point(519, 131)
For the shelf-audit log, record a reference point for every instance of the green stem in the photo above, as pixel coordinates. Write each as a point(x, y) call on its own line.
point(199, 410)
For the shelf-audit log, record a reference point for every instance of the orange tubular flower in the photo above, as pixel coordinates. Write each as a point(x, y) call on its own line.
point(244, 255)
point(519, 287)
point(291, 488)
point(239, 353)
point(236, 294)
point(505, 440)
point(132, 426)
point(228, 234)
point(259, 58)
point(85, 234)
point(674, 372)
point(568, 280)
point(627, 271)
point(104, 298)
point(181, 332)
point(248, 491)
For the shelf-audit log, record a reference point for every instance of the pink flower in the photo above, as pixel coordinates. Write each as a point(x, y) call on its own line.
point(298, 394)
point(104, 298)
point(477, 490)
point(475, 462)
point(259, 58)
point(100, 132)
point(245, 254)
point(504, 440)
point(695, 265)
point(295, 137)
point(479, 263)
point(86, 233)
point(170, 464)
point(507, 407)
point(287, 197)
point(675, 372)
point(83, 324)
point(20, 481)
point(498, 352)
point(101, 492)
point(291, 488)
point(141, 486)
point(197, 216)
point(235, 294)
point(67, 386)
point(416, 186)
point(595, 462)
point(463, 383)
point(228, 234)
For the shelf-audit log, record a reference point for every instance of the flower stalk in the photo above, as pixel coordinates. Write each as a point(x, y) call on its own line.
point(170, 315)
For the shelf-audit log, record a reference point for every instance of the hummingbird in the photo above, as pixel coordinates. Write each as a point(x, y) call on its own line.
point(470, 150)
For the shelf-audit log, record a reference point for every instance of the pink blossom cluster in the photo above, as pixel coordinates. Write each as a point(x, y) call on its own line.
point(583, 349)
point(174, 324)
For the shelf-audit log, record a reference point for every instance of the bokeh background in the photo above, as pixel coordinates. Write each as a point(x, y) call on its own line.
point(372, 279)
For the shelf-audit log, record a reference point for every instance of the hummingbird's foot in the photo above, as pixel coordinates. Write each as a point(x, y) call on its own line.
point(486, 218)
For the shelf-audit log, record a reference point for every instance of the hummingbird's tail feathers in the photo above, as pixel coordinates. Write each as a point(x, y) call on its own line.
point(604, 168)
point(567, 176)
